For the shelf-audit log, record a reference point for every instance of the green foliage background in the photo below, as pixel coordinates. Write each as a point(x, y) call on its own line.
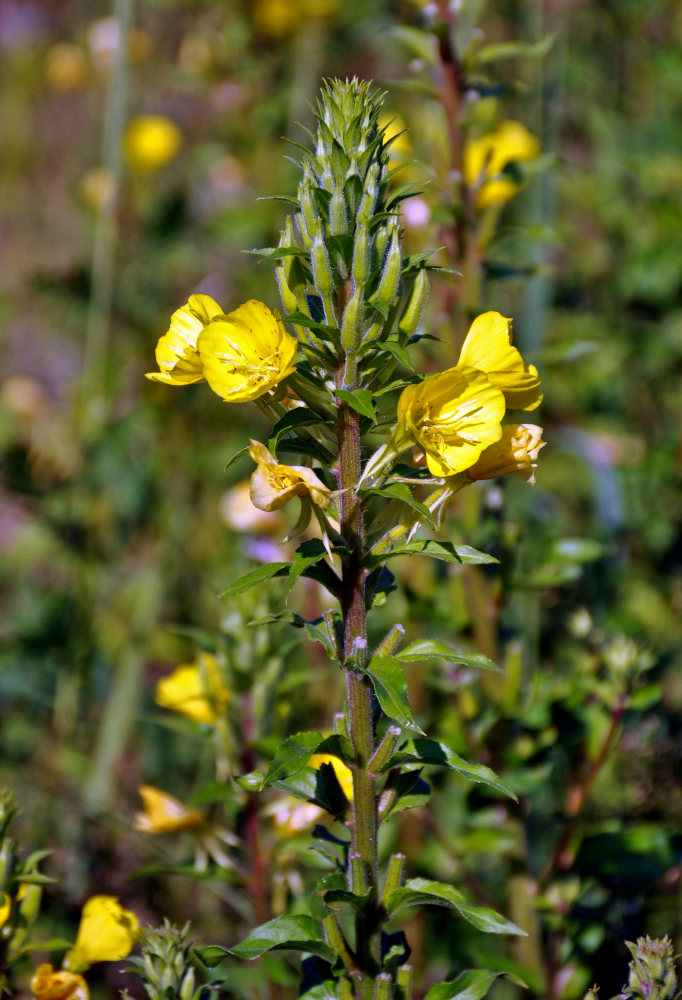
point(112, 541)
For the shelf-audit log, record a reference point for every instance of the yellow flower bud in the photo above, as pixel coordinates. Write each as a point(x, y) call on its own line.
point(150, 142)
point(195, 690)
point(514, 454)
point(176, 352)
point(107, 933)
point(488, 348)
point(485, 159)
point(342, 771)
point(47, 984)
point(163, 813)
point(273, 485)
point(246, 353)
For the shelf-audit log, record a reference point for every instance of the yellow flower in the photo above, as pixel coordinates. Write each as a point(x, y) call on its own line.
point(453, 416)
point(107, 933)
point(163, 813)
point(278, 18)
point(196, 690)
point(150, 142)
point(273, 485)
point(66, 67)
point(514, 454)
point(485, 159)
point(341, 770)
point(176, 352)
point(246, 352)
point(6, 906)
point(395, 128)
point(488, 348)
point(46, 984)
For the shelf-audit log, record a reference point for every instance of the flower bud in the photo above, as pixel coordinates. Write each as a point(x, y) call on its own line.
point(353, 316)
point(187, 985)
point(338, 218)
point(370, 191)
point(361, 260)
point(322, 271)
point(289, 301)
point(412, 314)
point(390, 276)
point(652, 969)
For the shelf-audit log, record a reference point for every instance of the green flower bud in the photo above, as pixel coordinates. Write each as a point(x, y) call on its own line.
point(338, 217)
point(8, 860)
point(361, 259)
point(353, 316)
point(382, 986)
point(322, 271)
point(390, 276)
point(30, 904)
point(187, 985)
point(652, 969)
point(289, 301)
point(414, 309)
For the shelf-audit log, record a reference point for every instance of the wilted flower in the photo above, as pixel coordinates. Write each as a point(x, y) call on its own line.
point(514, 454)
point(107, 933)
point(176, 352)
point(49, 984)
point(246, 352)
point(163, 813)
point(150, 142)
point(453, 416)
point(273, 485)
point(196, 690)
point(485, 159)
point(488, 348)
point(342, 771)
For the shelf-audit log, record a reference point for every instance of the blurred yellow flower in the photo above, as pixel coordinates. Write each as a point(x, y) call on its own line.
point(341, 770)
point(486, 157)
point(107, 933)
point(394, 126)
point(238, 513)
point(246, 352)
point(163, 813)
point(514, 454)
point(6, 905)
point(453, 416)
point(176, 352)
point(195, 690)
point(151, 141)
point(48, 984)
point(273, 485)
point(488, 348)
point(98, 187)
point(66, 67)
point(279, 18)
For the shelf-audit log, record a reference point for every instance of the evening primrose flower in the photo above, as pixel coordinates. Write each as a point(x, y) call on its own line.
point(514, 454)
point(49, 984)
point(150, 142)
point(246, 353)
point(107, 933)
point(488, 348)
point(273, 485)
point(343, 773)
point(163, 813)
point(486, 157)
point(196, 690)
point(176, 352)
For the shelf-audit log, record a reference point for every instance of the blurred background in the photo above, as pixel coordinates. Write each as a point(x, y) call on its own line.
point(138, 138)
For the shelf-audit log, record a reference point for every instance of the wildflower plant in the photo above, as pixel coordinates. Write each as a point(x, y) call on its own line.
point(379, 449)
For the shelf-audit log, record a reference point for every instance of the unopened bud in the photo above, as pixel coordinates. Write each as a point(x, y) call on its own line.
point(353, 316)
point(394, 876)
point(361, 260)
point(403, 981)
point(390, 276)
point(30, 904)
point(412, 314)
point(289, 301)
point(322, 271)
point(187, 985)
point(382, 986)
point(338, 218)
point(370, 191)
point(652, 970)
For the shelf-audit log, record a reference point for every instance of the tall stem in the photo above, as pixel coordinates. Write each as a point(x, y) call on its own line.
point(358, 691)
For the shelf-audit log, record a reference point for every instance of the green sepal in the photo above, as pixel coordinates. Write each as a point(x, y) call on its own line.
point(360, 400)
point(423, 750)
point(445, 551)
point(431, 649)
point(420, 891)
point(288, 933)
point(472, 984)
point(390, 687)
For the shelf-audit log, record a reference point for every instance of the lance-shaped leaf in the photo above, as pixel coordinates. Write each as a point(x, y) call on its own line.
point(423, 750)
point(307, 554)
point(255, 577)
point(420, 891)
point(403, 493)
point(360, 400)
point(289, 933)
point(295, 752)
point(431, 649)
point(445, 551)
point(301, 416)
point(472, 984)
point(390, 687)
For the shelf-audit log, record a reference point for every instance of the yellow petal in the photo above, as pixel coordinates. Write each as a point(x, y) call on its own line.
point(176, 352)
point(195, 690)
point(514, 454)
point(341, 770)
point(488, 348)
point(47, 984)
point(107, 933)
point(163, 813)
point(273, 485)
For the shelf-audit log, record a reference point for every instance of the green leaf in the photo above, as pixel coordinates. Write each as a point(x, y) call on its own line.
point(306, 446)
point(426, 751)
point(325, 331)
point(398, 352)
point(411, 791)
point(445, 551)
point(301, 416)
point(431, 649)
point(334, 889)
point(390, 687)
point(255, 577)
point(276, 253)
point(514, 50)
point(211, 955)
point(235, 458)
point(472, 984)
point(402, 492)
point(360, 400)
point(419, 891)
point(307, 554)
point(288, 933)
point(295, 752)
